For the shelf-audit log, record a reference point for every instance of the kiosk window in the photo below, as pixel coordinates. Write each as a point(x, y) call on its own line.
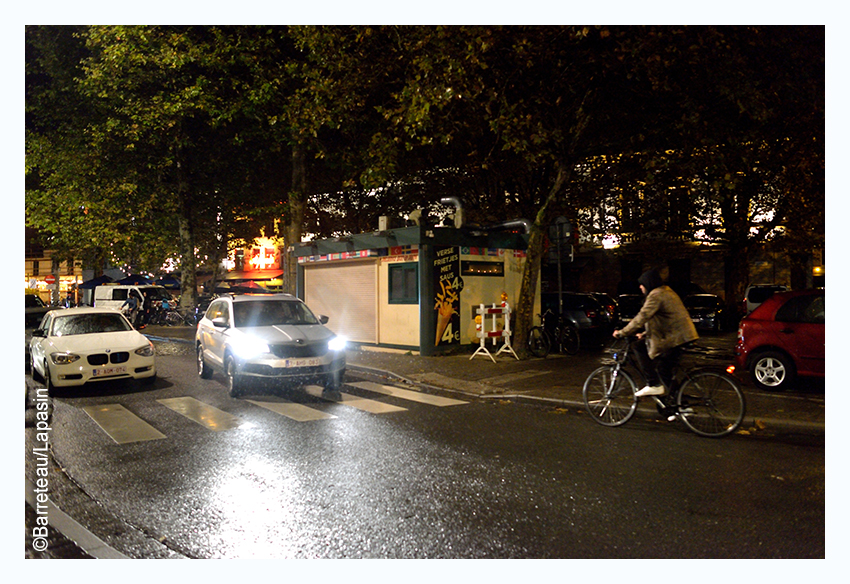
point(404, 283)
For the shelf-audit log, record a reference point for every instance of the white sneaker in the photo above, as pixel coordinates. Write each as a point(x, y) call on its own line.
point(650, 390)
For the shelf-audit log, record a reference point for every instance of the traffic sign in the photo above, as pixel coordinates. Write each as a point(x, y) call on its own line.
point(50, 279)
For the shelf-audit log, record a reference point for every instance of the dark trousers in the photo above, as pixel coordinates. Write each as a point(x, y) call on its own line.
point(658, 370)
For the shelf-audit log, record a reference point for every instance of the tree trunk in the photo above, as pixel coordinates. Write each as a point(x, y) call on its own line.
point(188, 263)
point(297, 204)
point(533, 263)
point(736, 267)
point(800, 271)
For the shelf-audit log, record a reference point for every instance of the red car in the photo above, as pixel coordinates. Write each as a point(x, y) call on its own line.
point(783, 338)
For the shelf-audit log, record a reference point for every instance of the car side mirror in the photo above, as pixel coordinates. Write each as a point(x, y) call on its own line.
point(39, 333)
point(323, 319)
point(220, 322)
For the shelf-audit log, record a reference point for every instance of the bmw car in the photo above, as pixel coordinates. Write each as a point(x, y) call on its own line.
point(272, 338)
point(76, 346)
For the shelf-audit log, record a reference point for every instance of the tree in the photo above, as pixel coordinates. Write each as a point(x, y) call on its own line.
point(751, 139)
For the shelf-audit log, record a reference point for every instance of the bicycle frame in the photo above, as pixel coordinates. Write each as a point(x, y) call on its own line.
point(706, 399)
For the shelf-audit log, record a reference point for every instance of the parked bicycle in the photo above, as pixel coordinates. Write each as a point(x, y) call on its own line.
point(552, 332)
point(168, 314)
point(706, 399)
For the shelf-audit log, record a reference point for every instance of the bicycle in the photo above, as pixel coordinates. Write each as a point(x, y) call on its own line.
point(540, 338)
point(707, 400)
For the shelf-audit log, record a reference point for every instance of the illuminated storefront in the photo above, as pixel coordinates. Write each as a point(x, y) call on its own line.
point(39, 278)
point(260, 264)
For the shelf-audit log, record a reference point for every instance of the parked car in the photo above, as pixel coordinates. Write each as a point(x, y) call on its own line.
point(585, 313)
point(270, 337)
point(758, 293)
point(75, 346)
point(706, 311)
point(685, 289)
point(609, 304)
point(629, 305)
point(783, 338)
point(35, 310)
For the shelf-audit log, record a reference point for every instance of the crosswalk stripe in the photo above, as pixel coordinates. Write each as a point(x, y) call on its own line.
point(204, 414)
point(417, 396)
point(122, 425)
point(366, 405)
point(294, 411)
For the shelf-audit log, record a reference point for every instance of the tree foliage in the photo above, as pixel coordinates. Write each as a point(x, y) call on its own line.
point(212, 133)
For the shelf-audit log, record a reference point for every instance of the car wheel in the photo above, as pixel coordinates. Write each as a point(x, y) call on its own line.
point(35, 374)
point(204, 369)
point(772, 371)
point(234, 381)
point(48, 382)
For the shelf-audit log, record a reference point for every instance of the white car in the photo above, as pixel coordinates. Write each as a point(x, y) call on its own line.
point(77, 345)
point(268, 337)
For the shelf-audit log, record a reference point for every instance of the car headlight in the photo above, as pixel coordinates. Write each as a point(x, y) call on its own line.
point(248, 347)
point(146, 351)
point(63, 358)
point(337, 344)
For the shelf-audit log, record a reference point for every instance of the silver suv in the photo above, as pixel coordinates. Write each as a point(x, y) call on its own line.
point(271, 337)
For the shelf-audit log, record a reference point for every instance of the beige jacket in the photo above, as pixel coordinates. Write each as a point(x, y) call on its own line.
point(666, 319)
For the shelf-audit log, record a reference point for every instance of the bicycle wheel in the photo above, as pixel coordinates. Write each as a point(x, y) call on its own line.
point(173, 318)
point(538, 342)
point(569, 340)
point(609, 396)
point(711, 404)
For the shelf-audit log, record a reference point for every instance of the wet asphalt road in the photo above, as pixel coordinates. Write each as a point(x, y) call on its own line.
point(475, 480)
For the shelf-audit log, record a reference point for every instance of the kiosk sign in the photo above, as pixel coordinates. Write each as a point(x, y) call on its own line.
point(448, 285)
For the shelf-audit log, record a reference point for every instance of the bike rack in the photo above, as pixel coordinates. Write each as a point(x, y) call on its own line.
point(494, 312)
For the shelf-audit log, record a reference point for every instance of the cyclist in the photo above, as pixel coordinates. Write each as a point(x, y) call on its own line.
point(668, 327)
point(132, 303)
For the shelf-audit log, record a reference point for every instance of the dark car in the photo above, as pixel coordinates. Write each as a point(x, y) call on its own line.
point(35, 311)
point(609, 304)
point(783, 338)
point(628, 305)
point(585, 313)
point(706, 311)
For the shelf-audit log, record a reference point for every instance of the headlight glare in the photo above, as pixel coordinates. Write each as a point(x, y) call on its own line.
point(249, 347)
point(337, 344)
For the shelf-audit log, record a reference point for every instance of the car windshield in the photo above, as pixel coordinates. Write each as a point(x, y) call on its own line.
point(85, 324)
point(631, 302)
point(157, 294)
point(580, 301)
point(268, 313)
point(700, 302)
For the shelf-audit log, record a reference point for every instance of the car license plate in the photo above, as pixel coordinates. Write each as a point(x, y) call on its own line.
point(108, 371)
point(696, 319)
point(302, 362)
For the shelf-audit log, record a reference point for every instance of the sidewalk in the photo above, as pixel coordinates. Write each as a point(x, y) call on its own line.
point(556, 380)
